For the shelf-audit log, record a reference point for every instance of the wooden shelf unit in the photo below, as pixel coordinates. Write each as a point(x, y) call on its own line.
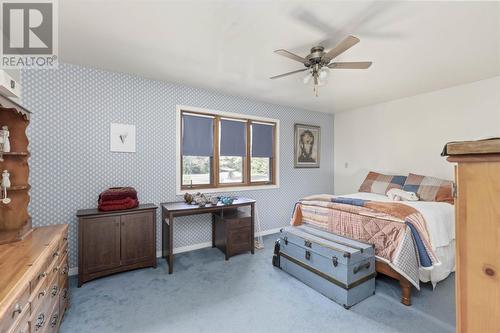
point(15, 221)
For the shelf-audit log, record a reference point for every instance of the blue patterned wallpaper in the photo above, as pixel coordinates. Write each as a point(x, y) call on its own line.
point(71, 162)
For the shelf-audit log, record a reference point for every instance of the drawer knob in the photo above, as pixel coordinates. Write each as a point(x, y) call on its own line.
point(54, 290)
point(41, 293)
point(40, 320)
point(42, 275)
point(17, 309)
point(65, 293)
point(56, 254)
point(53, 321)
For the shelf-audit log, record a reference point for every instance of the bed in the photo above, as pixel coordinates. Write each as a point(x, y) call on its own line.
point(414, 240)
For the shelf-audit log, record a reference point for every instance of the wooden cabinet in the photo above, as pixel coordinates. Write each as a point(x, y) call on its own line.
point(34, 281)
point(233, 232)
point(101, 243)
point(477, 209)
point(134, 236)
point(111, 242)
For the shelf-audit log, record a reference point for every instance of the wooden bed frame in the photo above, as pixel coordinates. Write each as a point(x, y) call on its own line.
point(383, 268)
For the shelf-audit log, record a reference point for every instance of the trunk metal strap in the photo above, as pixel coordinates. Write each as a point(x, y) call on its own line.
point(325, 276)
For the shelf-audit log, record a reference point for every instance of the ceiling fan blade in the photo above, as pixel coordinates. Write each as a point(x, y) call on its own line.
point(351, 65)
point(292, 56)
point(343, 46)
point(289, 73)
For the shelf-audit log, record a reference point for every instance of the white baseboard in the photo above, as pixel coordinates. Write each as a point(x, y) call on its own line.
point(74, 270)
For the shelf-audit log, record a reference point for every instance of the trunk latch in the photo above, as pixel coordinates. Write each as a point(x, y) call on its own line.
point(335, 261)
point(307, 243)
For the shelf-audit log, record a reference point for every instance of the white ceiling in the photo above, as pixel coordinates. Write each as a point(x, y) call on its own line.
point(228, 46)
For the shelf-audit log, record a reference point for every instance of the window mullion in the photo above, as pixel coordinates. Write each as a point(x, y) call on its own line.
point(215, 171)
point(247, 166)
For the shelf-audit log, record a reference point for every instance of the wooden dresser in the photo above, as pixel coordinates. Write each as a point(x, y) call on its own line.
point(34, 281)
point(477, 234)
point(115, 241)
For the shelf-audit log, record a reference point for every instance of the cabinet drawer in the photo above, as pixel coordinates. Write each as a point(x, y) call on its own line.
point(15, 310)
point(239, 239)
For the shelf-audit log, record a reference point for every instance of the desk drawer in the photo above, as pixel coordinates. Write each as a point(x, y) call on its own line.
point(242, 222)
point(240, 239)
point(15, 310)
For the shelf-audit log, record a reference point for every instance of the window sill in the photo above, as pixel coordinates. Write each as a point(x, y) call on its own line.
point(228, 189)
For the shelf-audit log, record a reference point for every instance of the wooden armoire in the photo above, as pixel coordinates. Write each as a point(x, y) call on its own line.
point(477, 208)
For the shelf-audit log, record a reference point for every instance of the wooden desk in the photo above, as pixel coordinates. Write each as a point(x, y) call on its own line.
point(170, 210)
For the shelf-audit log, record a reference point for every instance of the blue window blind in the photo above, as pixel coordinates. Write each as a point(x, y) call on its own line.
point(262, 140)
point(197, 136)
point(232, 138)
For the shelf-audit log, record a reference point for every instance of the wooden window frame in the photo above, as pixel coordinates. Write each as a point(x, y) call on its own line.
point(215, 185)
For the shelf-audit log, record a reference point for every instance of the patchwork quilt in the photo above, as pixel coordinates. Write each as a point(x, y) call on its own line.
point(398, 232)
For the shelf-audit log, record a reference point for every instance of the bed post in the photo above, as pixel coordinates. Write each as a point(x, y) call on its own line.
point(405, 291)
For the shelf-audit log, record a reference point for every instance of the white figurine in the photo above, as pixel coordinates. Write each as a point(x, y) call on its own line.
point(5, 185)
point(400, 195)
point(5, 139)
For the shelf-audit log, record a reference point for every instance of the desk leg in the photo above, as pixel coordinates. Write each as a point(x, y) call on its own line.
point(213, 230)
point(170, 256)
point(252, 232)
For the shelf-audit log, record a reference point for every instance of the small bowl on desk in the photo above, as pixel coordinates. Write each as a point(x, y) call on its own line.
point(214, 201)
point(227, 200)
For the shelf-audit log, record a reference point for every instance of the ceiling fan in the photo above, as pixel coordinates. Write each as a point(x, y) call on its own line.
point(318, 62)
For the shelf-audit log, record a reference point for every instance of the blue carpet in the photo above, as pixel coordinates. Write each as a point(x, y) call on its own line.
point(245, 294)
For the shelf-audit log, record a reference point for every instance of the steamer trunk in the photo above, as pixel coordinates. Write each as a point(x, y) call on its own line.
point(340, 268)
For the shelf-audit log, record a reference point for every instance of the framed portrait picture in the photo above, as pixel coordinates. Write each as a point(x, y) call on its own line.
point(123, 138)
point(307, 146)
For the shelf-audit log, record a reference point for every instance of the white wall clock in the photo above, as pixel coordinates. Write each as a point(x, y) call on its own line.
point(123, 138)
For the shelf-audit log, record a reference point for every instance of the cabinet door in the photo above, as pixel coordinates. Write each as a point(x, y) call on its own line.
point(101, 243)
point(137, 238)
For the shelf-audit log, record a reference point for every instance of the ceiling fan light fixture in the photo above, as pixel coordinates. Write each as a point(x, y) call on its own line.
point(323, 73)
point(307, 78)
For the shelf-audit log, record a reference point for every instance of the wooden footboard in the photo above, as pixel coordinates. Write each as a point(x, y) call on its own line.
point(385, 269)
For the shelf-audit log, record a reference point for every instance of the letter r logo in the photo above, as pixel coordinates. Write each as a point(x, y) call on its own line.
point(28, 28)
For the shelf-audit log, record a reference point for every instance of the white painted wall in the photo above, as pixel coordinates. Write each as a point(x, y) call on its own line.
point(407, 135)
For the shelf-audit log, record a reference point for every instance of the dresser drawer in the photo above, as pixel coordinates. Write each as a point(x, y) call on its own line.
point(63, 270)
point(40, 316)
point(64, 297)
point(16, 309)
point(22, 325)
point(40, 298)
point(54, 320)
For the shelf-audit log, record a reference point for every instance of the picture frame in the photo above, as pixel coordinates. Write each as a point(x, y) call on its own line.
point(307, 146)
point(122, 138)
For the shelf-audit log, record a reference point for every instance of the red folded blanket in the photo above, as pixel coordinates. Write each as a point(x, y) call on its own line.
point(118, 204)
point(118, 193)
point(118, 198)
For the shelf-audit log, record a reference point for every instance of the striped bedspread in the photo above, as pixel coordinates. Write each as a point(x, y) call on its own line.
point(398, 231)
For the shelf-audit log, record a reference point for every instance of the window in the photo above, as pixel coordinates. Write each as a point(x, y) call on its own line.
point(224, 151)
